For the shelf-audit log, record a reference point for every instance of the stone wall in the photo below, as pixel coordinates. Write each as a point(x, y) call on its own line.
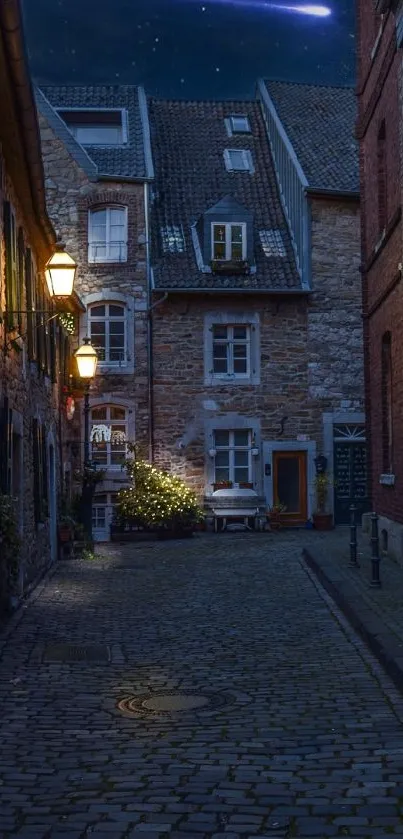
point(30, 394)
point(70, 196)
point(311, 355)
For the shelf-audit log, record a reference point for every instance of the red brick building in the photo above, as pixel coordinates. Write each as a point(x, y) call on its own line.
point(379, 131)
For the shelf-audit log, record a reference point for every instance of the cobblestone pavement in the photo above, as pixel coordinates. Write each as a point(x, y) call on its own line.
point(308, 743)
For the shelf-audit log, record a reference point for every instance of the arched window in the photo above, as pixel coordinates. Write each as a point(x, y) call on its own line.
point(107, 328)
point(108, 436)
point(387, 404)
point(107, 235)
point(382, 177)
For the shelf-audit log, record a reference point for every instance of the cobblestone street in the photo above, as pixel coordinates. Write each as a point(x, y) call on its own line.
point(303, 735)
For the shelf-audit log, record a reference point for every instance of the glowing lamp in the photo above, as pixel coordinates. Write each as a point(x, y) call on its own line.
point(86, 360)
point(60, 272)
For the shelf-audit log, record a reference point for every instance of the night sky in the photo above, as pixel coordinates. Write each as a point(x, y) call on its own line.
point(188, 48)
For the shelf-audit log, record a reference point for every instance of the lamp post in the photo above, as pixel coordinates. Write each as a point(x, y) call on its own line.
point(87, 358)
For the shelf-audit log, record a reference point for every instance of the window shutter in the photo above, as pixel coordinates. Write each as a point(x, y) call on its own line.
point(37, 457)
point(11, 267)
point(53, 350)
point(20, 277)
point(30, 296)
point(6, 447)
point(44, 464)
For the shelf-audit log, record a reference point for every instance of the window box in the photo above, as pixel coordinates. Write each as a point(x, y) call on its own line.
point(222, 485)
point(245, 485)
point(230, 266)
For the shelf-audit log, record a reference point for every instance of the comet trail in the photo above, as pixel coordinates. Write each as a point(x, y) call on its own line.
point(312, 10)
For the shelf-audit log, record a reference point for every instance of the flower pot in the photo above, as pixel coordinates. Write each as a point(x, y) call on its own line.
point(246, 485)
point(222, 485)
point(323, 521)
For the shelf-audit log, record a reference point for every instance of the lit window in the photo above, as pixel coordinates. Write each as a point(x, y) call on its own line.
point(239, 125)
point(173, 240)
point(96, 128)
point(107, 235)
point(233, 456)
point(231, 350)
point(108, 436)
point(238, 160)
point(272, 242)
point(107, 328)
point(228, 241)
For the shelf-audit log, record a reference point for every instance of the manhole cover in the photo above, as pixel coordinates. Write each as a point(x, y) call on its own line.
point(73, 653)
point(168, 702)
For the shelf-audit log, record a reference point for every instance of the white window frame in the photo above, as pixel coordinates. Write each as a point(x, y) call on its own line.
point(92, 257)
point(232, 449)
point(228, 239)
point(245, 121)
point(231, 319)
point(107, 362)
point(124, 424)
point(246, 160)
point(230, 342)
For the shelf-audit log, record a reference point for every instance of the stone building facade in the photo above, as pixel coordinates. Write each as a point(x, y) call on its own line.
point(97, 163)
point(34, 348)
point(380, 135)
point(257, 370)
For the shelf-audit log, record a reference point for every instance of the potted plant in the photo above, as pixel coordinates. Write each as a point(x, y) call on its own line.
point(245, 485)
point(322, 520)
point(274, 515)
point(222, 485)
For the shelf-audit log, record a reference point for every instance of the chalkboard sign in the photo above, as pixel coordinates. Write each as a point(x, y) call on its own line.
point(350, 472)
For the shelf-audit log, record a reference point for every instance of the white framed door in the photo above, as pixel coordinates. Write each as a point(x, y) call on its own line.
point(102, 515)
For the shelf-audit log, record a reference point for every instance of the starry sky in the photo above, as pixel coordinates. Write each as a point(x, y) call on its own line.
point(186, 48)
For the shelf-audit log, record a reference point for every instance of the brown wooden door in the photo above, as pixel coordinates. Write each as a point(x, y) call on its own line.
point(289, 485)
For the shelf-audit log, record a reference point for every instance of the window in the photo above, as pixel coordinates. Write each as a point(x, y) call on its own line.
point(231, 350)
point(96, 128)
point(107, 235)
point(239, 125)
point(173, 240)
point(382, 177)
point(10, 244)
point(107, 328)
point(108, 436)
point(228, 241)
point(233, 456)
point(387, 404)
point(238, 160)
point(272, 242)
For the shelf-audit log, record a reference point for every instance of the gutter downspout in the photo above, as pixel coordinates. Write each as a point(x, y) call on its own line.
point(150, 307)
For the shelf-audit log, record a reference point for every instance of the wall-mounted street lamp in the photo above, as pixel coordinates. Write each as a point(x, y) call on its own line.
point(87, 358)
point(60, 272)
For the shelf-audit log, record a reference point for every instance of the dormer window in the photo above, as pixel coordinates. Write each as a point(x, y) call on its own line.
point(238, 160)
point(96, 127)
point(239, 125)
point(228, 242)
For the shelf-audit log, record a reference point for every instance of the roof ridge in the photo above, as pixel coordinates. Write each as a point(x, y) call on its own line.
point(268, 80)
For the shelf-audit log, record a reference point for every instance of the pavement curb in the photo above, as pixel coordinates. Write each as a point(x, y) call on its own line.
point(373, 631)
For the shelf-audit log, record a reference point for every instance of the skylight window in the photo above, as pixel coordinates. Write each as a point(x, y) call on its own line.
point(173, 240)
point(96, 128)
point(239, 125)
point(272, 242)
point(238, 160)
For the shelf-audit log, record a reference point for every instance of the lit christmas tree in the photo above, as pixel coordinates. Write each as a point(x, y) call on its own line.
point(156, 499)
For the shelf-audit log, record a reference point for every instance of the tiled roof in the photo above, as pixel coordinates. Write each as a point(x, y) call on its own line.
point(188, 140)
point(319, 122)
point(130, 161)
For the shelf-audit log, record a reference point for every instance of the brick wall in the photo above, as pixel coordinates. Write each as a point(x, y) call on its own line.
point(378, 96)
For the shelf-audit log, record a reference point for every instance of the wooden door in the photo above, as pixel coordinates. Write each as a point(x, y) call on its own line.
point(289, 485)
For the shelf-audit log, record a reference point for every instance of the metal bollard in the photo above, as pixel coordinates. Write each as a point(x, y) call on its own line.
point(353, 538)
point(375, 579)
